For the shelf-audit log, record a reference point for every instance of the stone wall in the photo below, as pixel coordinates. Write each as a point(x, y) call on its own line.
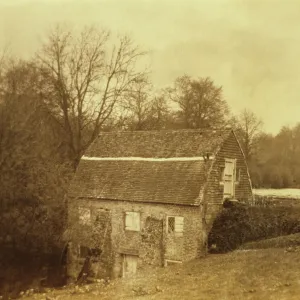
point(95, 236)
point(151, 243)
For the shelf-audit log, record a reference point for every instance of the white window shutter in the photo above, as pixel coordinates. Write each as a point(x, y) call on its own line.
point(229, 177)
point(128, 221)
point(132, 221)
point(136, 221)
point(179, 224)
point(228, 189)
point(229, 167)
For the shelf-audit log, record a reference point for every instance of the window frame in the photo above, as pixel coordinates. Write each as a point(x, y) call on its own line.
point(168, 225)
point(178, 221)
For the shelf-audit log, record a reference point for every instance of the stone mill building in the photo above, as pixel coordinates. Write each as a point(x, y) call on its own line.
point(148, 198)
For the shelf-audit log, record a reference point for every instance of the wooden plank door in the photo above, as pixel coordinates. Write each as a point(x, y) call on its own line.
point(129, 265)
point(229, 178)
point(174, 238)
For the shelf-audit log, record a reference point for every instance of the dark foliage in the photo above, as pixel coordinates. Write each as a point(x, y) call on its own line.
point(200, 103)
point(275, 160)
point(239, 224)
point(21, 270)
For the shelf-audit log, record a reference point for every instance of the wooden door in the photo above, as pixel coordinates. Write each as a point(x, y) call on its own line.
point(129, 265)
point(228, 178)
point(174, 238)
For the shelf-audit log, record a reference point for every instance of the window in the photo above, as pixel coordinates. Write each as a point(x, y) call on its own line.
point(237, 172)
point(175, 225)
point(132, 221)
point(101, 217)
point(84, 216)
point(171, 224)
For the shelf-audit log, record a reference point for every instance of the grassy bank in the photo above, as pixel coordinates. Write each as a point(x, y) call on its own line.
point(286, 241)
point(255, 274)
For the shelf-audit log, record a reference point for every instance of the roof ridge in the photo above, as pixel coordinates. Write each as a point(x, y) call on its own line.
point(166, 130)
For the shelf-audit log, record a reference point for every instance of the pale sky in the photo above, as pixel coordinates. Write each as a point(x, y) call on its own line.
point(250, 47)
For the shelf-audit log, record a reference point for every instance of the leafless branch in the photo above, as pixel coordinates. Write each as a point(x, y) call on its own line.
point(87, 79)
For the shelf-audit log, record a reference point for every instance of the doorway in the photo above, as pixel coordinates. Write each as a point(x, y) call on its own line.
point(129, 267)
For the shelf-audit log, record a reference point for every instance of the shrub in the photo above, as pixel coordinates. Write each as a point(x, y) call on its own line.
point(239, 224)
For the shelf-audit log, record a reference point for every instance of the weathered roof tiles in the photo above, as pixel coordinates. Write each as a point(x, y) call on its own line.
point(169, 181)
point(168, 143)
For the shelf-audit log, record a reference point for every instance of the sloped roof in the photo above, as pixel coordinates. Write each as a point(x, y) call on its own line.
point(168, 143)
point(140, 181)
point(175, 181)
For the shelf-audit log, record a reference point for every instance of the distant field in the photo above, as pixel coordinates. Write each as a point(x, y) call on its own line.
point(284, 193)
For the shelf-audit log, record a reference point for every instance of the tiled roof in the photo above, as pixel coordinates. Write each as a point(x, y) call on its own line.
point(168, 143)
point(141, 181)
point(169, 182)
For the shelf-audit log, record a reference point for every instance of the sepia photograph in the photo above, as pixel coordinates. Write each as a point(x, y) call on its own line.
point(149, 149)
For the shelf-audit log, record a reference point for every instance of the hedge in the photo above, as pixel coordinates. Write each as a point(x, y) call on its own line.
point(238, 224)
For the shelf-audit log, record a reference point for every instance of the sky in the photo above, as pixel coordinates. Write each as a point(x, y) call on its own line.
point(249, 47)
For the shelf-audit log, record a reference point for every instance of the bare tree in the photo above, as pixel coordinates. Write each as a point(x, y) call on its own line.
point(85, 77)
point(248, 127)
point(137, 105)
point(143, 109)
point(160, 114)
point(201, 104)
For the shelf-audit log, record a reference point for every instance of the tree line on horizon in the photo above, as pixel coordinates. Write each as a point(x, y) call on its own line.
point(80, 83)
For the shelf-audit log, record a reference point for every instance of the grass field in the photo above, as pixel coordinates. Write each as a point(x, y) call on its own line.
point(243, 274)
point(286, 193)
point(286, 241)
